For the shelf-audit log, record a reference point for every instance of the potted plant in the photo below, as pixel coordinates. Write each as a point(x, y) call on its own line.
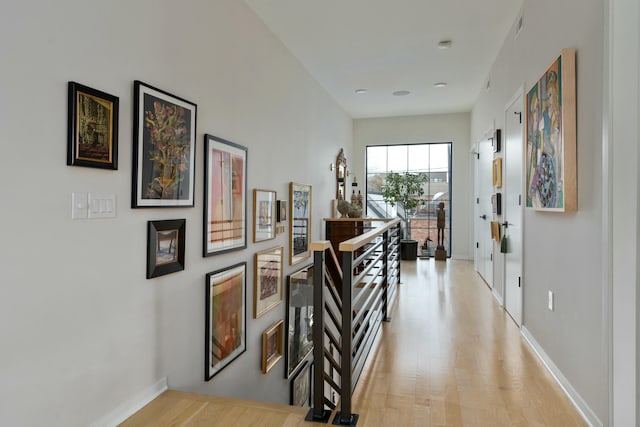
point(406, 190)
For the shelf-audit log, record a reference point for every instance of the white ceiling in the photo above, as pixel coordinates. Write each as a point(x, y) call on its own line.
point(390, 45)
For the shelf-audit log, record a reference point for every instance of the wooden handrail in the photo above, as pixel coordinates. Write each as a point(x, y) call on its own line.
point(324, 245)
point(357, 242)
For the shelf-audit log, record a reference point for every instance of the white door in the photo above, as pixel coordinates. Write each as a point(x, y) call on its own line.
point(513, 154)
point(484, 188)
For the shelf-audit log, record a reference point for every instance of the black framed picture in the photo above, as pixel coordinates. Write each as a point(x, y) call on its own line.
point(92, 128)
point(299, 318)
point(164, 149)
point(225, 196)
point(165, 247)
point(226, 318)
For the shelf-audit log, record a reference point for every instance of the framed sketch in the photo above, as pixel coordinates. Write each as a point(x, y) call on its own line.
point(497, 172)
point(225, 196)
point(299, 318)
point(282, 211)
point(92, 128)
point(272, 346)
point(301, 386)
point(164, 149)
point(264, 215)
point(268, 280)
point(165, 247)
point(225, 323)
point(300, 223)
point(550, 151)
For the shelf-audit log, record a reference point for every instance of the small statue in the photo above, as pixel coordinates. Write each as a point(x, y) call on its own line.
point(440, 225)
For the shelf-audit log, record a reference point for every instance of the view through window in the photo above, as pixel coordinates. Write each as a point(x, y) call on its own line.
point(435, 160)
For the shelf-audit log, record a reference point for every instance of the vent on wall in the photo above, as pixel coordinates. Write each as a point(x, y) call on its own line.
point(519, 24)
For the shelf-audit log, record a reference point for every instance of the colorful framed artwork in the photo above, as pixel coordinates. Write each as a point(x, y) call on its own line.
point(268, 280)
point(551, 178)
point(272, 346)
point(299, 318)
point(226, 319)
point(301, 386)
point(225, 196)
point(300, 224)
point(264, 215)
point(497, 172)
point(165, 247)
point(92, 128)
point(282, 211)
point(164, 142)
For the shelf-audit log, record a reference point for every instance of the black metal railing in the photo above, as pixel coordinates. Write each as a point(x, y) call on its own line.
point(348, 312)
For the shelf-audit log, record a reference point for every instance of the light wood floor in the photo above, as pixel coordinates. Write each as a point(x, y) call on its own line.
point(449, 357)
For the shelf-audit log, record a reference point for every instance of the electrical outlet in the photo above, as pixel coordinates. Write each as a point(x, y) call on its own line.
point(550, 303)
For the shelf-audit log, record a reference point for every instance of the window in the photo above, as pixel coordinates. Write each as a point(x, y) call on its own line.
point(435, 160)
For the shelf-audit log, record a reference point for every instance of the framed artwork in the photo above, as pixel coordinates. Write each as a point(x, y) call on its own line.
point(264, 215)
point(301, 386)
point(92, 128)
point(282, 211)
point(300, 224)
point(551, 180)
point(497, 172)
point(165, 247)
point(226, 319)
point(268, 280)
point(496, 203)
point(496, 141)
point(225, 196)
point(164, 142)
point(272, 346)
point(299, 317)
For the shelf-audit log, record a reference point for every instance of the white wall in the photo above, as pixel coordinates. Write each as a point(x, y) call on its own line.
point(452, 128)
point(624, 136)
point(563, 252)
point(82, 331)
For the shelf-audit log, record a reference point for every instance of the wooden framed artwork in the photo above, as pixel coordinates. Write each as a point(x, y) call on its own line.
point(299, 317)
point(165, 247)
point(264, 215)
point(225, 323)
point(164, 142)
point(272, 346)
point(92, 128)
point(551, 180)
point(300, 223)
point(497, 172)
point(301, 386)
point(225, 196)
point(268, 280)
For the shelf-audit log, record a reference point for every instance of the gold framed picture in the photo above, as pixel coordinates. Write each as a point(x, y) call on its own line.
point(497, 172)
point(268, 280)
point(272, 346)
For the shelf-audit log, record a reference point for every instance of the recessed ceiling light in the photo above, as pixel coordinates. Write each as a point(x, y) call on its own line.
point(444, 44)
point(401, 93)
point(361, 91)
point(440, 84)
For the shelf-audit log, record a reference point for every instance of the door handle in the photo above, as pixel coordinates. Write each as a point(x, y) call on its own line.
point(483, 216)
point(505, 224)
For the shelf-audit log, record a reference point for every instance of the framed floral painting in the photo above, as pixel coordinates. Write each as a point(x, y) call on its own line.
point(164, 142)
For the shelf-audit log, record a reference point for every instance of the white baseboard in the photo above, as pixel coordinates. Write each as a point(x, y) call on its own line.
point(132, 405)
point(583, 408)
point(498, 297)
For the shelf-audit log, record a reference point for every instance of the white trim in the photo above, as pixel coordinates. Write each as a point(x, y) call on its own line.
point(498, 297)
point(133, 405)
point(585, 411)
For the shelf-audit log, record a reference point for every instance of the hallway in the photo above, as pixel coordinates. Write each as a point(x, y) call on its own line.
point(449, 357)
point(452, 357)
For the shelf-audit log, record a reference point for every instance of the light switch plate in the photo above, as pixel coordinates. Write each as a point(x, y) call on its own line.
point(550, 303)
point(101, 205)
point(79, 206)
